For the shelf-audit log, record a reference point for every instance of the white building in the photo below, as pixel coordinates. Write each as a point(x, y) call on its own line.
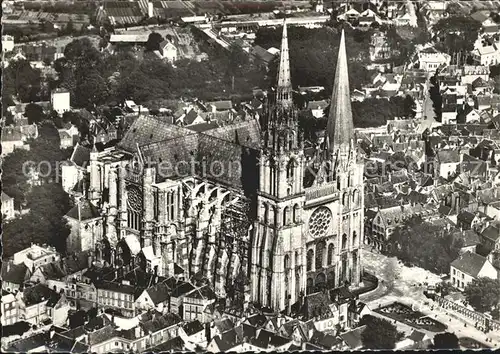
point(168, 51)
point(8, 211)
point(35, 256)
point(470, 266)
point(7, 43)
point(60, 100)
point(489, 55)
point(430, 59)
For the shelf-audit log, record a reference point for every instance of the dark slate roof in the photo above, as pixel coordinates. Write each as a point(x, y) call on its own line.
point(257, 320)
point(74, 263)
point(469, 263)
point(14, 273)
point(353, 337)
point(116, 287)
point(101, 335)
point(149, 129)
point(469, 237)
point(81, 155)
point(448, 156)
point(262, 54)
point(416, 336)
point(492, 233)
point(175, 344)
point(83, 211)
point(52, 271)
point(158, 293)
point(182, 289)
point(160, 322)
point(465, 216)
point(27, 344)
point(37, 294)
point(192, 327)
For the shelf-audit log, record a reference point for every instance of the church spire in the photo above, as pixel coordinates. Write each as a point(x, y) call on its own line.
point(340, 131)
point(284, 89)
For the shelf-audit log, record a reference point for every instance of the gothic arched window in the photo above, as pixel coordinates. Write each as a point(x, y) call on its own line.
point(344, 241)
point(320, 248)
point(287, 262)
point(331, 249)
point(355, 198)
point(310, 256)
point(290, 169)
point(345, 200)
point(296, 211)
point(266, 213)
point(286, 214)
point(354, 238)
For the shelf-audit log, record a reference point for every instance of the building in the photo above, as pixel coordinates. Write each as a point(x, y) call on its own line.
point(36, 256)
point(74, 170)
point(488, 55)
point(7, 43)
point(283, 243)
point(60, 100)
point(117, 296)
point(470, 266)
point(168, 51)
point(195, 303)
point(10, 310)
point(8, 210)
point(430, 59)
point(86, 225)
point(14, 276)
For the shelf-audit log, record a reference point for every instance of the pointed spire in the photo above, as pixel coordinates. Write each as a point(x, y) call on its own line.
point(340, 130)
point(284, 89)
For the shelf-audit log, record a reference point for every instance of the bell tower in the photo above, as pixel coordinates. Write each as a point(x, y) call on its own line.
point(277, 241)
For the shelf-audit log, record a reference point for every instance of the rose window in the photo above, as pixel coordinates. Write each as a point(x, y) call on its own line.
point(320, 221)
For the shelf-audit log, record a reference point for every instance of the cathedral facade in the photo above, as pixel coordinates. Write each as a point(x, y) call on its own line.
point(231, 204)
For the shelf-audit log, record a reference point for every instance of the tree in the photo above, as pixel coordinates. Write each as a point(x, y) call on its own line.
point(21, 80)
point(409, 107)
point(445, 341)
point(456, 34)
point(437, 99)
point(483, 294)
point(154, 41)
point(379, 333)
point(15, 175)
point(34, 113)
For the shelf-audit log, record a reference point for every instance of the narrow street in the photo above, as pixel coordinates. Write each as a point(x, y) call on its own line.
point(406, 285)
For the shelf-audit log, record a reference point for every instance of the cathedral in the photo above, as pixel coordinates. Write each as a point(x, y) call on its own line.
point(241, 203)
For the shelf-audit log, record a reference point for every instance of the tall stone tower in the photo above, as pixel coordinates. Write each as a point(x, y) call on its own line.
point(277, 245)
point(307, 239)
point(345, 169)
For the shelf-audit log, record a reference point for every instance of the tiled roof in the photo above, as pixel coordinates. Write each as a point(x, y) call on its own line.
point(448, 156)
point(160, 322)
point(469, 263)
point(492, 233)
point(52, 271)
point(469, 237)
point(222, 105)
point(116, 287)
point(173, 345)
point(83, 211)
point(158, 293)
point(192, 327)
point(353, 338)
point(76, 262)
point(81, 155)
point(26, 345)
point(14, 273)
point(37, 294)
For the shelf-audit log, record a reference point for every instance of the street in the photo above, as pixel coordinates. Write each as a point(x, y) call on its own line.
point(406, 285)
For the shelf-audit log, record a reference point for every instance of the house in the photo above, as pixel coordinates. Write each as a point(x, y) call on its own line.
point(349, 14)
point(447, 162)
point(352, 339)
point(155, 297)
point(220, 106)
point(488, 55)
point(168, 51)
point(490, 237)
point(12, 139)
point(470, 266)
point(57, 309)
point(60, 100)
point(470, 240)
point(7, 43)
point(66, 140)
point(86, 226)
point(35, 256)
point(8, 210)
point(387, 219)
point(195, 303)
point(14, 276)
point(317, 108)
point(193, 332)
point(48, 271)
point(74, 170)
point(466, 220)
point(10, 310)
point(177, 296)
point(190, 117)
point(119, 296)
point(430, 59)
point(262, 54)
point(33, 303)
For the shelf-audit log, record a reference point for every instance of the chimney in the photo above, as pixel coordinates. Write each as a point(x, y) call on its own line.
point(150, 9)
